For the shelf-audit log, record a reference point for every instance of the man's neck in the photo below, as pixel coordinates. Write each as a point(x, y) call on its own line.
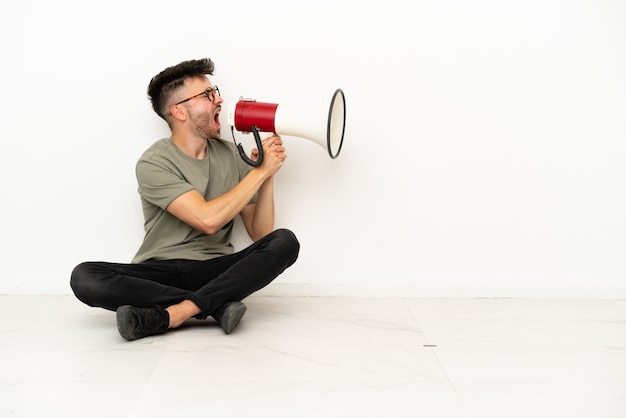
point(194, 147)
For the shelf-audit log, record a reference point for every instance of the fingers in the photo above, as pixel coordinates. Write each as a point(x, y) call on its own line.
point(277, 151)
point(274, 152)
point(275, 146)
point(274, 139)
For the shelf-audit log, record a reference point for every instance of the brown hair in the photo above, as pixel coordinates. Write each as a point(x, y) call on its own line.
point(164, 84)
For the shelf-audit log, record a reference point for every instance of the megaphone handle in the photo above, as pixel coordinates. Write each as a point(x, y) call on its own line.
point(259, 144)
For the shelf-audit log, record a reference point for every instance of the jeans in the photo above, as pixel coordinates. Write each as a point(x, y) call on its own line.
point(209, 284)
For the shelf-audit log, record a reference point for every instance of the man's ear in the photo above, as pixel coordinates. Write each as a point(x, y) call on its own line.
point(178, 112)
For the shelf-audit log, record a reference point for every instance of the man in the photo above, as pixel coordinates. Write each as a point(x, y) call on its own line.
point(192, 185)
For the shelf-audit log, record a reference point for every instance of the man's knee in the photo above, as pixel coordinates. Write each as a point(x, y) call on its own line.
point(288, 243)
point(81, 282)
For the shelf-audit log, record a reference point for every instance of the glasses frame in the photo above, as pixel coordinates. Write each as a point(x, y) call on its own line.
point(210, 93)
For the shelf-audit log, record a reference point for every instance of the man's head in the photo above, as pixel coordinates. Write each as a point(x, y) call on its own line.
point(165, 87)
point(184, 96)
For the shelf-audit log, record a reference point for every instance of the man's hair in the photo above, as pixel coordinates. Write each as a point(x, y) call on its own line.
point(164, 84)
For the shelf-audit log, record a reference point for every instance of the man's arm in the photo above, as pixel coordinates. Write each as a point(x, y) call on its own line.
point(210, 216)
point(258, 217)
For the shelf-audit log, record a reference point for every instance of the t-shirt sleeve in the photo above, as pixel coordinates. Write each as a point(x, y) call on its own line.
point(160, 185)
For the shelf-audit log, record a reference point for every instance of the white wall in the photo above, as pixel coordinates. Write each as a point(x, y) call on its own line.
point(484, 154)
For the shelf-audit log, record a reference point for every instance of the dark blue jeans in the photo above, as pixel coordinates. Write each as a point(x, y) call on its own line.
point(209, 284)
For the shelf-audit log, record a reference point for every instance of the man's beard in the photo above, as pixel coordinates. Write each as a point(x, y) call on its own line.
point(205, 126)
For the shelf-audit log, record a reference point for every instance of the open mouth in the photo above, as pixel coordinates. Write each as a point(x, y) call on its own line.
point(216, 118)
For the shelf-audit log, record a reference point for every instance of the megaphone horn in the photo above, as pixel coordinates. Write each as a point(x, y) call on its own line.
point(323, 125)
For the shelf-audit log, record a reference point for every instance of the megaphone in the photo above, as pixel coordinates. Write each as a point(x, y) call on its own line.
point(323, 123)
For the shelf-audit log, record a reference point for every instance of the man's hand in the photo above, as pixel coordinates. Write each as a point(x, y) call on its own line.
point(274, 154)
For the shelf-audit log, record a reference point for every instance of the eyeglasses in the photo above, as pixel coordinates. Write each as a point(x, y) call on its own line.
point(210, 93)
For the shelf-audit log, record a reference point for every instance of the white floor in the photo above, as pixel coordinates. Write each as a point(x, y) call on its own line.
point(321, 357)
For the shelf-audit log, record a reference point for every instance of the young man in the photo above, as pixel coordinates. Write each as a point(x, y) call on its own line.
point(192, 185)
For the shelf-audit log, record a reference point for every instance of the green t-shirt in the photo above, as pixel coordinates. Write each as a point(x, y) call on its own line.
point(164, 173)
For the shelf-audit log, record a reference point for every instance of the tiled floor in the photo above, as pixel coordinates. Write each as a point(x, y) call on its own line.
point(321, 357)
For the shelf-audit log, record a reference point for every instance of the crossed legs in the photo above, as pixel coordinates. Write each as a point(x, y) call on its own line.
point(181, 289)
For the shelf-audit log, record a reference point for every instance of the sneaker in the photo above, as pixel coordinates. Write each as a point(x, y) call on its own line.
point(133, 323)
point(230, 316)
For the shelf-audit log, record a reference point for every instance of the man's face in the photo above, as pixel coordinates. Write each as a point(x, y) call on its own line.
point(203, 113)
